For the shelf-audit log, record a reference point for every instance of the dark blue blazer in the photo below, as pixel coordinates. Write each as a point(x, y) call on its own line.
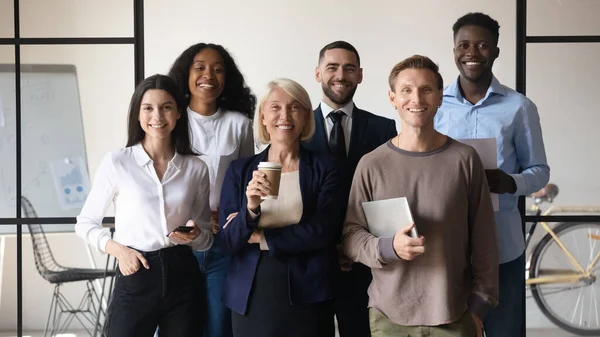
point(368, 132)
point(308, 248)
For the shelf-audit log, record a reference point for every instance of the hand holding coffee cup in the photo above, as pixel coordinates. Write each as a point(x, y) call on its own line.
point(257, 187)
point(273, 176)
point(264, 184)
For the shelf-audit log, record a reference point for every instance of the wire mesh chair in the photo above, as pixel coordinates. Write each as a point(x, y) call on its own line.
point(62, 313)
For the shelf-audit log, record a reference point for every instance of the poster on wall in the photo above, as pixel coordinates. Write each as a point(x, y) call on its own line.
point(71, 181)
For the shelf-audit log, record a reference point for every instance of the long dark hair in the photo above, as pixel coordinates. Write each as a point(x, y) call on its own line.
point(180, 135)
point(236, 95)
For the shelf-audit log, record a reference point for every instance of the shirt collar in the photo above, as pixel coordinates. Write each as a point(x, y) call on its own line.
point(198, 116)
point(347, 109)
point(495, 87)
point(143, 159)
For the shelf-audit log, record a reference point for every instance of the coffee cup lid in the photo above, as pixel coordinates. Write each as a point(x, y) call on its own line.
point(269, 165)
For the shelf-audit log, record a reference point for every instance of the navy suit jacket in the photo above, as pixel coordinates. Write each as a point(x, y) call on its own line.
point(308, 248)
point(368, 132)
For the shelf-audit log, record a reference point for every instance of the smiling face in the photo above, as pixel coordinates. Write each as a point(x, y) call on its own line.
point(339, 75)
point(207, 75)
point(283, 117)
point(158, 114)
point(475, 51)
point(416, 96)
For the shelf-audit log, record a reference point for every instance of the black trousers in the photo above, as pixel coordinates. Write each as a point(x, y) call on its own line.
point(168, 295)
point(352, 300)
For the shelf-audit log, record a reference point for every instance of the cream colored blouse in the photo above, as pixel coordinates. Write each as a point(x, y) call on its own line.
point(287, 208)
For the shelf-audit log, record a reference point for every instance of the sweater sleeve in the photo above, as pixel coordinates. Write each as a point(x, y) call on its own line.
point(358, 243)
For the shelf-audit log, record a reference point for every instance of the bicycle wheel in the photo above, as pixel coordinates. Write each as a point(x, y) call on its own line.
point(573, 306)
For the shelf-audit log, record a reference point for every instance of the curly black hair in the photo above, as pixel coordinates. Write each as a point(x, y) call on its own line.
point(236, 95)
point(479, 20)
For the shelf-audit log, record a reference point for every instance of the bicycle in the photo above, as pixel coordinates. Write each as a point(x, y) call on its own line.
point(558, 273)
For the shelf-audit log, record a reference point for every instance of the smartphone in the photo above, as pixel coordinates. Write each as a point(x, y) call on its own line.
point(182, 229)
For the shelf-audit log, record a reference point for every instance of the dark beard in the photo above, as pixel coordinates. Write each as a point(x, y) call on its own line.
point(334, 98)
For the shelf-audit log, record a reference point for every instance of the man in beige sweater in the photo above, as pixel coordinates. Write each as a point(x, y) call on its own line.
point(443, 282)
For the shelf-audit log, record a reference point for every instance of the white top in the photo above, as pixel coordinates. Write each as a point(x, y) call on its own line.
point(147, 209)
point(287, 209)
point(346, 120)
point(220, 139)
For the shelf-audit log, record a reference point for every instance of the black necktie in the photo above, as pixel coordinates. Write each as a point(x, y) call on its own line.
point(337, 143)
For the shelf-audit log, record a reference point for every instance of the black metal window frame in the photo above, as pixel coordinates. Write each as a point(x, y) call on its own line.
point(521, 72)
point(17, 41)
point(521, 84)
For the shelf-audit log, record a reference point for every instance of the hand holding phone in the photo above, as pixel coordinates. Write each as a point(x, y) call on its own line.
point(181, 229)
point(183, 235)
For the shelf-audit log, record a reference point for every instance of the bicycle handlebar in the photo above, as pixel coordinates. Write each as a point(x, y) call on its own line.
point(547, 193)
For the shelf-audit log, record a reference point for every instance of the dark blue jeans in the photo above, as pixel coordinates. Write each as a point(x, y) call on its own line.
point(165, 296)
point(214, 265)
point(506, 320)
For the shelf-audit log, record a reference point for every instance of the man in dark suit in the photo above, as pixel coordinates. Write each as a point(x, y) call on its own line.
point(348, 133)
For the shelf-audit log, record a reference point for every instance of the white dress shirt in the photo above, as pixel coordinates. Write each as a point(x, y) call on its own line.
point(147, 209)
point(219, 139)
point(346, 120)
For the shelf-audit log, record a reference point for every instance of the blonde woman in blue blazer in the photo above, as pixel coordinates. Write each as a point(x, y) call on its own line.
point(283, 251)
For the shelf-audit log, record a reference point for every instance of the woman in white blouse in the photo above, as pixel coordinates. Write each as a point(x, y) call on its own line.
point(157, 184)
point(220, 110)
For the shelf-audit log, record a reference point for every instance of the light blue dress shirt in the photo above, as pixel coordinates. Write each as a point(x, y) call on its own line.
point(513, 120)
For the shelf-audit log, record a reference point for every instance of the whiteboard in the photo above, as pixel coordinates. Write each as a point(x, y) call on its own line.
point(54, 164)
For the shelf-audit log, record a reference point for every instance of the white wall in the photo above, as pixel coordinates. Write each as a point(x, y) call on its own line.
point(273, 38)
point(6, 18)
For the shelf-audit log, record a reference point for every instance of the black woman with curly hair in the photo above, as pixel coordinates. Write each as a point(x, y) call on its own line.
point(220, 110)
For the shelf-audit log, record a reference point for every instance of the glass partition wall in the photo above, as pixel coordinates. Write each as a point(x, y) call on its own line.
point(61, 79)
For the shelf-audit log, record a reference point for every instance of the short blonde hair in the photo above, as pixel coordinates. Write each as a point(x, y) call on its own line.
point(297, 92)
